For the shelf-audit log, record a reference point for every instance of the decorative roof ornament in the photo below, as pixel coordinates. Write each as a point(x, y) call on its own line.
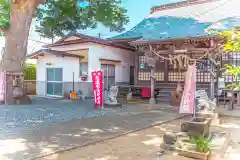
point(83, 3)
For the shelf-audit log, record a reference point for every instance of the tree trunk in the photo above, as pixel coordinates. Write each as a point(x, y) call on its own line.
point(16, 41)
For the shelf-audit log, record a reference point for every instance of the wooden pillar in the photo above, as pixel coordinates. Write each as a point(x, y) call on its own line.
point(165, 71)
point(136, 69)
point(153, 80)
point(212, 77)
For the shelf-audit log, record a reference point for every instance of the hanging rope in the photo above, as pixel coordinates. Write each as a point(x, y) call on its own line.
point(180, 56)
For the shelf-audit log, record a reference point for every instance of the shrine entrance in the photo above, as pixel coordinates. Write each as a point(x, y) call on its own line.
point(132, 74)
point(162, 65)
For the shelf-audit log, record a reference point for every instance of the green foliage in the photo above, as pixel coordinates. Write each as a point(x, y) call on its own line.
point(202, 144)
point(4, 14)
point(235, 71)
point(58, 17)
point(232, 70)
point(232, 39)
point(29, 71)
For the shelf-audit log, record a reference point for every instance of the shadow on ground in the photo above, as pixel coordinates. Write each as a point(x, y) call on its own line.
point(66, 124)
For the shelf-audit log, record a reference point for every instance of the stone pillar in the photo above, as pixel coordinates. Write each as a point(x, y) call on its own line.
point(153, 79)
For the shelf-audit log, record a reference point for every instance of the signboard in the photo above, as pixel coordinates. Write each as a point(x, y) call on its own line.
point(187, 104)
point(97, 83)
point(2, 78)
point(142, 66)
point(221, 83)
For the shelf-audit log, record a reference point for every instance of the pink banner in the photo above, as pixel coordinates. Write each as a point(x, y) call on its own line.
point(187, 105)
point(97, 82)
point(2, 78)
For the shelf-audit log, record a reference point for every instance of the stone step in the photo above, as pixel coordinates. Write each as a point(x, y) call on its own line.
point(160, 99)
point(165, 91)
point(164, 95)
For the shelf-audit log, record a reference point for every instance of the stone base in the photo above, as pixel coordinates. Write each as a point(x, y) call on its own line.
point(152, 101)
point(198, 126)
point(112, 105)
point(168, 147)
point(214, 116)
point(219, 144)
point(24, 100)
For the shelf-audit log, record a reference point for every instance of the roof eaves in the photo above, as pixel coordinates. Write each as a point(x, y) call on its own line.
point(56, 53)
point(105, 42)
point(145, 42)
point(124, 39)
point(179, 4)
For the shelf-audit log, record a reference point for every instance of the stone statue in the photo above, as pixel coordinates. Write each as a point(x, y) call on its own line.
point(206, 107)
point(112, 96)
point(170, 138)
point(129, 96)
point(204, 103)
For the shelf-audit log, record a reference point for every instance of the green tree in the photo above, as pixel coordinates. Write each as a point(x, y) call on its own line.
point(231, 44)
point(59, 17)
point(29, 71)
point(56, 18)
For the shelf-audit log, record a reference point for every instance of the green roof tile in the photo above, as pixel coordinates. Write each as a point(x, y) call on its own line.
point(168, 27)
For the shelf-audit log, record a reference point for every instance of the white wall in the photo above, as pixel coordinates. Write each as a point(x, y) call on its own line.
point(97, 51)
point(68, 64)
point(122, 72)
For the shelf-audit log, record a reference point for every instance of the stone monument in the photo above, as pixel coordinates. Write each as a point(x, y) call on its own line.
point(14, 89)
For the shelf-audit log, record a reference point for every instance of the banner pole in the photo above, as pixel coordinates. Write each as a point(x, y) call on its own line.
point(102, 89)
point(5, 87)
point(195, 100)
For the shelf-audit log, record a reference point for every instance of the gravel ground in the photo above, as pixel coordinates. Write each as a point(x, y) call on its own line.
point(44, 112)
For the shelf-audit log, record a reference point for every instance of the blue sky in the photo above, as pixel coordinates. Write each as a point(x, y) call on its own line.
point(137, 10)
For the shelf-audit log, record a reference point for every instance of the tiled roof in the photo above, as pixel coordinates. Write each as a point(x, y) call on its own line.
point(85, 38)
point(53, 52)
point(184, 21)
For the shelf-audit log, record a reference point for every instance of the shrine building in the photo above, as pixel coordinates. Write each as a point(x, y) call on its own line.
point(175, 35)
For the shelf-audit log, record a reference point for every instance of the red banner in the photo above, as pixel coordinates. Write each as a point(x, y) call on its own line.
point(97, 82)
point(188, 98)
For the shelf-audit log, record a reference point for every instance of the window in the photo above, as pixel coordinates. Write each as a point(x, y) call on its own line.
point(83, 68)
point(144, 76)
point(54, 81)
point(109, 75)
point(143, 65)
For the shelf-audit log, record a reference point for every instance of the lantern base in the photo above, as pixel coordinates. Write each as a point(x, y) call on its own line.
point(112, 105)
point(24, 100)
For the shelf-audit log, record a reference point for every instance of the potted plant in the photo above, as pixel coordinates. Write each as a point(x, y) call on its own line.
point(199, 148)
point(201, 143)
